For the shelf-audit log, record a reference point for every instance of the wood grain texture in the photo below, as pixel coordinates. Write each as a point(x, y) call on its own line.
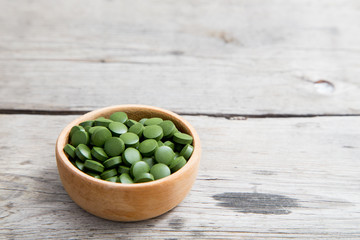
point(236, 57)
point(259, 178)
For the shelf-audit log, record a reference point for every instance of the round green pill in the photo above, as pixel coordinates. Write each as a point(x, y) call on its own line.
point(112, 179)
point(102, 122)
point(114, 146)
point(79, 165)
point(187, 151)
point(83, 152)
point(125, 178)
point(123, 169)
point(176, 161)
point(169, 144)
point(164, 154)
point(168, 128)
point(130, 139)
point(108, 173)
point(149, 160)
point(119, 117)
point(148, 147)
point(179, 165)
point(75, 129)
point(142, 121)
point(160, 170)
point(153, 132)
point(88, 123)
point(80, 137)
point(112, 162)
point(70, 150)
point(182, 138)
point(99, 153)
point(92, 129)
point(94, 166)
point(130, 156)
point(137, 128)
point(100, 135)
point(160, 143)
point(138, 168)
point(117, 128)
point(153, 121)
point(130, 122)
point(144, 177)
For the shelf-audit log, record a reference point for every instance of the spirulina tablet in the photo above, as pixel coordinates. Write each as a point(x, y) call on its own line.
point(112, 162)
point(137, 128)
point(123, 169)
point(75, 129)
point(164, 155)
point(147, 147)
point(99, 153)
point(114, 146)
point(130, 139)
point(153, 121)
point(70, 150)
point(130, 156)
point(100, 135)
point(108, 173)
point(117, 128)
point(125, 178)
point(83, 152)
point(119, 117)
point(138, 168)
point(153, 132)
point(187, 151)
point(80, 137)
point(182, 138)
point(94, 166)
point(168, 128)
point(160, 170)
point(144, 177)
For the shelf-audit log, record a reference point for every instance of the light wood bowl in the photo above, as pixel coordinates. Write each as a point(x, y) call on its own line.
point(128, 202)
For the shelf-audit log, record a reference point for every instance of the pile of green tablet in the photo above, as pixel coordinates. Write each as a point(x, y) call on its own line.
point(123, 150)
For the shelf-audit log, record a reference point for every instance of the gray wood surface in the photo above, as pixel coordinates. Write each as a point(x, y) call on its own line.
point(249, 75)
point(266, 178)
point(218, 57)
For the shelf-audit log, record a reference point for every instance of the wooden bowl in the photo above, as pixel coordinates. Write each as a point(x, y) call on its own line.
point(128, 202)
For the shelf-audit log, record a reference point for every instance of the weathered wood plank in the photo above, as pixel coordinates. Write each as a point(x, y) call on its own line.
point(265, 178)
point(236, 57)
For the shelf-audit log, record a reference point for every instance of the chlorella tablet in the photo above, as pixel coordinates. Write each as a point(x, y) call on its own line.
point(164, 154)
point(119, 117)
point(152, 121)
point(117, 128)
point(153, 132)
point(94, 166)
point(125, 178)
point(83, 152)
point(130, 156)
point(112, 162)
point(70, 150)
point(114, 146)
point(147, 147)
point(182, 138)
point(160, 170)
point(100, 135)
point(99, 153)
point(187, 151)
point(144, 177)
point(130, 139)
point(123, 150)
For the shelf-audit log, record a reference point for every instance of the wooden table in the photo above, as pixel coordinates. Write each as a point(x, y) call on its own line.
point(272, 87)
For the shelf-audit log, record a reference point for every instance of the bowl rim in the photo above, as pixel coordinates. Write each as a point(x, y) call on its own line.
point(191, 162)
